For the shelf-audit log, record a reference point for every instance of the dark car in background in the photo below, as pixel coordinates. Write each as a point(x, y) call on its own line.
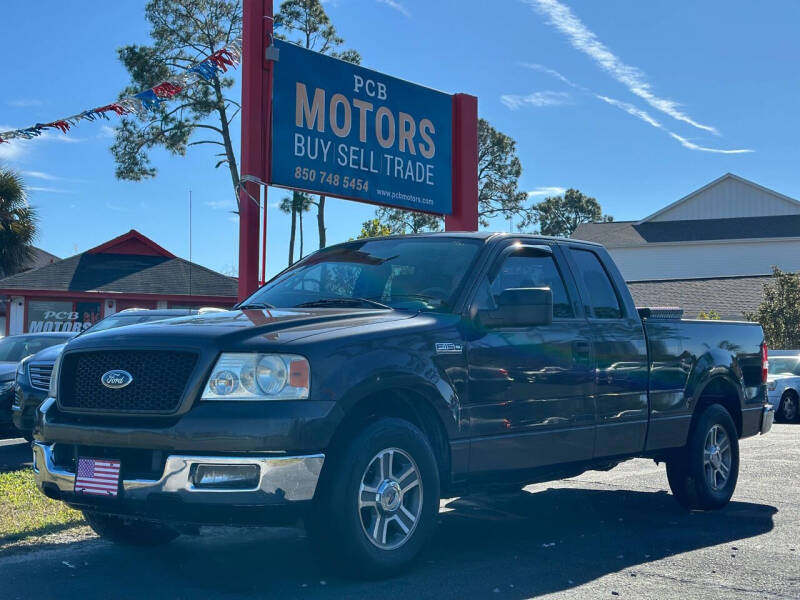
point(33, 373)
point(13, 349)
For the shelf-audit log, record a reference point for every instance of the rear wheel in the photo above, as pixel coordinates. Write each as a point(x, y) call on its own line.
point(788, 409)
point(378, 503)
point(703, 475)
point(131, 532)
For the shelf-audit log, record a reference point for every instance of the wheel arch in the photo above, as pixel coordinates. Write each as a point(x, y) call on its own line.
point(719, 388)
point(411, 399)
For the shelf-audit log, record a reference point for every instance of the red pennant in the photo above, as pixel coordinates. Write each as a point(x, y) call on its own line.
point(223, 59)
point(117, 108)
point(167, 89)
point(62, 126)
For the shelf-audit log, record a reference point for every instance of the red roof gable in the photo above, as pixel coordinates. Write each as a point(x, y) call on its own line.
point(132, 242)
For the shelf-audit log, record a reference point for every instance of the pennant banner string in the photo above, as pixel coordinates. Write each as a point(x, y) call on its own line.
point(219, 62)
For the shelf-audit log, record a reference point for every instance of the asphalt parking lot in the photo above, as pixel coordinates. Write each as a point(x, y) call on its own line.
point(616, 534)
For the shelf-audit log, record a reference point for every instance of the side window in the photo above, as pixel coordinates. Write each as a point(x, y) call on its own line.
point(524, 271)
point(603, 302)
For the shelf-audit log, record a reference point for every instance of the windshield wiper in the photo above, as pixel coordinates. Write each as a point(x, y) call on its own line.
point(343, 301)
point(253, 306)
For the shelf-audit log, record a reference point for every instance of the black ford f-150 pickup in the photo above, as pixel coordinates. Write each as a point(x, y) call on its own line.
point(358, 387)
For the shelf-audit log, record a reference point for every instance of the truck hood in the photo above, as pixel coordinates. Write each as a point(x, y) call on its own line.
point(280, 325)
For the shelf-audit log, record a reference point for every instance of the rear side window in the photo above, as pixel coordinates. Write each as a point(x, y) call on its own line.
point(603, 302)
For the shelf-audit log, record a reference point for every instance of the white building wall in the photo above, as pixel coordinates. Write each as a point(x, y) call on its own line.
point(109, 308)
point(707, 259)
point(730, 198)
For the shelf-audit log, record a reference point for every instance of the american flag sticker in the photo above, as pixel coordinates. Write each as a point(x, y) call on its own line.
point(97, 476)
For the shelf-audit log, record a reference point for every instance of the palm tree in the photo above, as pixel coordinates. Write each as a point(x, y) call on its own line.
point(287, 206)
point(17, 223)
point(296, 205)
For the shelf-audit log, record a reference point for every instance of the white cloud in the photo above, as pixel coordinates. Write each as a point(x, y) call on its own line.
point(219, 204)
point(106, 131)
point(116, 207)
point(538, 99)
point(24, 102)
point(41, 175)
point(583, 39)
point(551, 72)
point(650, 120)
point(52, 190)
point(397, 6)
point(552, 190)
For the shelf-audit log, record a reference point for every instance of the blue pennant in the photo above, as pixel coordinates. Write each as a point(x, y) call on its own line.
point(149, 99)
point(206, 69)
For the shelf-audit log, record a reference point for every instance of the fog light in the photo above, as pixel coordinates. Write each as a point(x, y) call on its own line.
point(229, 477)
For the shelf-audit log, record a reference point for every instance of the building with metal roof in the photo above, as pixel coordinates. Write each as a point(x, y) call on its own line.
point(712, 249)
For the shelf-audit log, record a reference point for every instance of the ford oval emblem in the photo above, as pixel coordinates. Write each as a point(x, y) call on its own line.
point(116, 379)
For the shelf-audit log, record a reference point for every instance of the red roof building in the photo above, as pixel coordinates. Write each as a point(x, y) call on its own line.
point(130, 271)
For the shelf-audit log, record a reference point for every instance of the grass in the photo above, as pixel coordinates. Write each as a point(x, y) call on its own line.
point(27, 516)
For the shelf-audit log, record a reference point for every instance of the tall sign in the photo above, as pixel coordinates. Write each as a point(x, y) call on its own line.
point(322, 125)
point(339, 129)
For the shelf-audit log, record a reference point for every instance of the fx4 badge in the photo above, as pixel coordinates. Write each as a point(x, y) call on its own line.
point(448, 348)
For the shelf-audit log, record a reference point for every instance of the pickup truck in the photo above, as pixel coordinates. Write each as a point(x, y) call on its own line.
point(360, 386)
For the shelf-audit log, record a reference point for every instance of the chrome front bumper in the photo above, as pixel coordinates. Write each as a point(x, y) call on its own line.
point(767, 418)
point(283, 479)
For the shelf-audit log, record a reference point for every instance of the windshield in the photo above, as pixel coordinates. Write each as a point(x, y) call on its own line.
point(17, 347)
point(122, 320)
point(789, 365)
point(411, 274)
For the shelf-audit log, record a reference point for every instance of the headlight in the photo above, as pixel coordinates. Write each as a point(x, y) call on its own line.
point(772, 385)
point(247, 376)
point(53, 392)
point(6, 387)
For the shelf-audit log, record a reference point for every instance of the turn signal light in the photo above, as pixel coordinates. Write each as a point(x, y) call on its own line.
point(764, 362)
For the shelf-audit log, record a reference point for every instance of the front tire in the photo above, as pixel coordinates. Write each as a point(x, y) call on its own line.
point(378, 504)
point(703, 474)
point(788, 409)
point(130, 532)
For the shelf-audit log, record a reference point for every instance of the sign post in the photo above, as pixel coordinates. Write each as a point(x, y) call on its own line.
point(341, 130)
point(257, 26)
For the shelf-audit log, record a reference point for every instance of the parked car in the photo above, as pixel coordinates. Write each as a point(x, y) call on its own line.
point(783, 384)
point(13, 349)
point(33, 373)
point(342, 391)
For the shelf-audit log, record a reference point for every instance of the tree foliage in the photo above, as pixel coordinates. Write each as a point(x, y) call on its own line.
point(296, 205)
point(560, 216)
point(183, 32)
point(305, 23)
point(499, 170)
point(779, 312)
point(709, 315)
point(17, 224)
point(374, 228)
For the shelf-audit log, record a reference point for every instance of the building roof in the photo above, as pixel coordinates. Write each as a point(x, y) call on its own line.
point(730, 297)
point(622, 234)
point(39, 258)
point(129, 264)
point(788, 204)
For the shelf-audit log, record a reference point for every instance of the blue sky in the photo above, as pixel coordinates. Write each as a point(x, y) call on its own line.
point(634, 103)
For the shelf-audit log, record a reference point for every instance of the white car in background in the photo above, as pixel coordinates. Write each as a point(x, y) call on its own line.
point(783, 384)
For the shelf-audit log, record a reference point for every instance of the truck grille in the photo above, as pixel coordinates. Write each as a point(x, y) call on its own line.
point(159, 381)
point(40, 375)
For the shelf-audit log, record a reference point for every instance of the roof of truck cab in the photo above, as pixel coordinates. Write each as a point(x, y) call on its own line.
point(480, 235)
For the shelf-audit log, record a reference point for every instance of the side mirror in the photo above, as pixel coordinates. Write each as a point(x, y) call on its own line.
point(520, 307)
